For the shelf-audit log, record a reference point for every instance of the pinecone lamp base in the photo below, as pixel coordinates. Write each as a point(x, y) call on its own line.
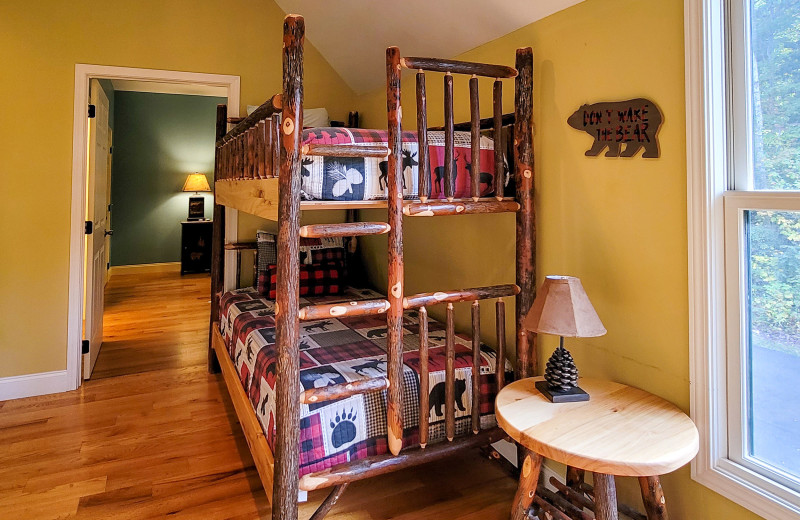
point(560, 383)
point(572, 395)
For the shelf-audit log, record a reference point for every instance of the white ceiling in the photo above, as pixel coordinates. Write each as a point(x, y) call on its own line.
point(168, 88)
point(353, 35)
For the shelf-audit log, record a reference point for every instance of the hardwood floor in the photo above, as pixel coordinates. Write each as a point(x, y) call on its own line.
point(154, 435)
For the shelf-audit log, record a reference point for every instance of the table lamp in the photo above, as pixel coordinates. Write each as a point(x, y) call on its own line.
point(562, 307)
point(196, 182)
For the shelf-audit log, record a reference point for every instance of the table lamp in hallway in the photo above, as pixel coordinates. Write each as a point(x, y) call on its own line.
point(196, 182)
point(562, 307)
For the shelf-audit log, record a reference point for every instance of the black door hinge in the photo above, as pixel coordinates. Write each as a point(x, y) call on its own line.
point(91, 111)
point(88, 227)
point(85, 346)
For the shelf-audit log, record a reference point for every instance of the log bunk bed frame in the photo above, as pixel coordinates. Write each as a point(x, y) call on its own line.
point(258, 163)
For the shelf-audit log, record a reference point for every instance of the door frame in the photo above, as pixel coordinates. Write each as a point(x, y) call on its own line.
point(83, 73)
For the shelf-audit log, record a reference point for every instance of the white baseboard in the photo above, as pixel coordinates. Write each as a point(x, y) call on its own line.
point(161, 267)
point(29, 385)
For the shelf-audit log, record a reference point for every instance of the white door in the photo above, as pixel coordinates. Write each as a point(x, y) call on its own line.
point(96, 212)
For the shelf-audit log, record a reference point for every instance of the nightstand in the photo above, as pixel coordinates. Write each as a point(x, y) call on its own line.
point(621, 430)
point(196, 246)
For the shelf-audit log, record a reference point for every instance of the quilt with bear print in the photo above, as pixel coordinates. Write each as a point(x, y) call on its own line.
point(340, 350)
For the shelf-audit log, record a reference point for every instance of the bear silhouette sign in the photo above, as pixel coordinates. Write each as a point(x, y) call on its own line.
point(633, 123)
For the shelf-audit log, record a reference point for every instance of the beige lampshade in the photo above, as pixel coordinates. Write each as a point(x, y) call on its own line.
point(562, 308)
point(196, 182)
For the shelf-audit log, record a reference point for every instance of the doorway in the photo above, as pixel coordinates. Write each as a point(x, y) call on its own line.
point(89, 256)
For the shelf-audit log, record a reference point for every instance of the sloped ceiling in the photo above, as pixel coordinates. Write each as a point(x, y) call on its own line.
point(353, 34)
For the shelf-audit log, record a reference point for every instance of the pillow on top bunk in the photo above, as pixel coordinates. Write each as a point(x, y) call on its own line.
point(314, 117)
point(315, 279)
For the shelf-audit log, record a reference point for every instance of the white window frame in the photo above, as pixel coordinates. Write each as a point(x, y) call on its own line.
point(717, 159)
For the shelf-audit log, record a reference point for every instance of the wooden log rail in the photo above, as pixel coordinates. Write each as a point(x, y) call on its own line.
point(450, 67)
point(484, 124)
point(374, 466)
point(345, 150)
point(252, 149)
point(463, 295)
point(347, 229)
point(458, 67)
point(459, 207)
point(342, 390)
point(422, 301)
point(343, 310)
point(272, 106)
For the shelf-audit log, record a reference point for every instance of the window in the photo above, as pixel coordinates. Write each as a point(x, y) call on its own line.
point(743, 144)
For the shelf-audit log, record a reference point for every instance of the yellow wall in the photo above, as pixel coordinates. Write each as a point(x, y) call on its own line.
point(618, 224)
point(40, 43)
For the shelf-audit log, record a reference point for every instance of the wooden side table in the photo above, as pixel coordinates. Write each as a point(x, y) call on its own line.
point(621, 431)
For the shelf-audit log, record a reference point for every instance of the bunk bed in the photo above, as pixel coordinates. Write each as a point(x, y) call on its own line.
point(259, 170)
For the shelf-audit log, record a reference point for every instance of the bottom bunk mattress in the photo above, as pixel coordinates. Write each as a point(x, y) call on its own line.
point(335, 351)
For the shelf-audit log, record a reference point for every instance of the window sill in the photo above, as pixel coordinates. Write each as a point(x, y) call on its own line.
point(748, 489)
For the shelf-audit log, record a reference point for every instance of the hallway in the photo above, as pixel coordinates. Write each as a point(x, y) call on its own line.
point(154, 321)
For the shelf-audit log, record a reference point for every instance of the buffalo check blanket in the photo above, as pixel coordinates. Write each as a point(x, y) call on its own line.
point(336, 351)
point(358, 178)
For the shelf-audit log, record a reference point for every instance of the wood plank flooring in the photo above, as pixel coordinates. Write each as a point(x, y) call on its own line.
point(153, 435)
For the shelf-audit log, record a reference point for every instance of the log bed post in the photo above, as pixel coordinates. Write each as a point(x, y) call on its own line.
point(287, 406)
point(526, 225)
point(394, 317)
point(217, 243)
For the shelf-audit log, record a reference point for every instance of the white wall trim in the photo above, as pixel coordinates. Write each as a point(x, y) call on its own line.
point(707, 174)
point(83, 73)
point(29, 385)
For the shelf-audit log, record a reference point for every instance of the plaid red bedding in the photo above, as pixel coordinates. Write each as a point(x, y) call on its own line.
point(337, 351)
point(354, 178)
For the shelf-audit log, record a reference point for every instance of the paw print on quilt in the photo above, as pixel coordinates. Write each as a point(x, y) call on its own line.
point(343, 424)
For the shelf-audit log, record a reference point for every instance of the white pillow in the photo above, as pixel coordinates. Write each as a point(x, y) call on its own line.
point(312, 117)
point(315, 117)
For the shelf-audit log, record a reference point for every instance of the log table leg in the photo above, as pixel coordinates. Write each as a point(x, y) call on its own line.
point(528, 479)
point(605, 497)
point(653, 498)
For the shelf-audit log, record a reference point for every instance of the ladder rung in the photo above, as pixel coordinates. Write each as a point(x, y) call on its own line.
point(347, 229)
point(344, 309)
point(345, 150)
point(459, 207)
point(464, 295)
point(342, 390)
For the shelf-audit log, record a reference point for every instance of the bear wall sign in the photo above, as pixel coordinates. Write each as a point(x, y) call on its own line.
point(634, 123)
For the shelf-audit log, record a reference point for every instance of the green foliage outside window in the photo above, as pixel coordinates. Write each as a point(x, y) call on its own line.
point(775, 235)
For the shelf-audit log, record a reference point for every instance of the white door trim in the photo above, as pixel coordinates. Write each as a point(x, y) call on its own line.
point(83, 73)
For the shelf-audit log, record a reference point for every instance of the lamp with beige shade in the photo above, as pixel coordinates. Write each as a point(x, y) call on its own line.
point(196, 182)
point(562, 307)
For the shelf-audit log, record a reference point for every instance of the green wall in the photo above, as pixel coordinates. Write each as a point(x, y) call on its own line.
point(158, 140)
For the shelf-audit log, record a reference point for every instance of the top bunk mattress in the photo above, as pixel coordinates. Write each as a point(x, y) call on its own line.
point(358, 178)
